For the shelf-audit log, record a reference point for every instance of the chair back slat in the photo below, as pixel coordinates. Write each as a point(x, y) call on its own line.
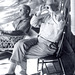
point(60, 45)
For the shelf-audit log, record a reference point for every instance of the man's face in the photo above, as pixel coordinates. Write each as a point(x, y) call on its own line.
point(23, 11)
point(52, 7)
point(48, 8)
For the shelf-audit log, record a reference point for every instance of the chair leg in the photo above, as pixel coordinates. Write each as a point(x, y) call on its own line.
point(47, 69)
point(42, 64)
point(42, 70)
point(38, 65)
point(42, 67)
point(61, 66)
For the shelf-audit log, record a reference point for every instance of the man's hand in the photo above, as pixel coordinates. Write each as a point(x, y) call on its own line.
point(39, 11)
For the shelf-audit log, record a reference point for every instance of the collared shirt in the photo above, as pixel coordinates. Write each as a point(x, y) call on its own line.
point(50, 29)
point(22, 24)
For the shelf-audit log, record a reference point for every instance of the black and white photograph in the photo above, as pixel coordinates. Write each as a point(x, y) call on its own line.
point(37, 37)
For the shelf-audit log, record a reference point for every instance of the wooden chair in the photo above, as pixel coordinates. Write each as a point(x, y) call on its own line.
point(53, 58)
point(7, 41)
point(7, 44)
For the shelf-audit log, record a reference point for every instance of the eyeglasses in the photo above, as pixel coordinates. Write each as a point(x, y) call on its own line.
point(48, 6)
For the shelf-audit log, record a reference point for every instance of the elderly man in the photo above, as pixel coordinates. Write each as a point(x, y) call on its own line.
point(22, 23)
point(51, 27)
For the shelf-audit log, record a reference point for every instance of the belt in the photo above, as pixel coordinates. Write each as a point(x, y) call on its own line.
point(52, 45)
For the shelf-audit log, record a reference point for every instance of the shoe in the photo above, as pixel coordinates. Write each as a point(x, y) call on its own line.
point(11, 74)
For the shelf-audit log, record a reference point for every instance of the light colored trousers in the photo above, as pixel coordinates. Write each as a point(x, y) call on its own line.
point(30, 48)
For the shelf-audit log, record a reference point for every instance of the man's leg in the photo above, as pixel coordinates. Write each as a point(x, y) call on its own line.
point(29, 49)
point(39, 50)
point(19, 51)
point(23, 65)
point(21, 48)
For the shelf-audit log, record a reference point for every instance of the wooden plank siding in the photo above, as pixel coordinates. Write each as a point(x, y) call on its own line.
point(70, 37)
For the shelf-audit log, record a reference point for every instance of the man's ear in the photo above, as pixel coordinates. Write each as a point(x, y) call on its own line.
point(28, 11)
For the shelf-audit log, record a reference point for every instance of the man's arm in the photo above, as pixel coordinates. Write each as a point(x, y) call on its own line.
point(13, 33)
point(37, 18)
point(34, 21)
point(59, 26)
point(60, 30)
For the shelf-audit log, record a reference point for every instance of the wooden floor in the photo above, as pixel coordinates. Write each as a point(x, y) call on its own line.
point(5, 63)
point(4, 66)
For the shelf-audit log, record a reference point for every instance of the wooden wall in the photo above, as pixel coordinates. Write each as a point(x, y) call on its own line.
point(68, 57)
point(70, 37)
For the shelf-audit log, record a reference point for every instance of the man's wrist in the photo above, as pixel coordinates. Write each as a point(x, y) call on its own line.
point(37, 14)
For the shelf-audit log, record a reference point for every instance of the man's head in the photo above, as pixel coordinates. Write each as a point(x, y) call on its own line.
point(52, 5)
point(25, 10)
